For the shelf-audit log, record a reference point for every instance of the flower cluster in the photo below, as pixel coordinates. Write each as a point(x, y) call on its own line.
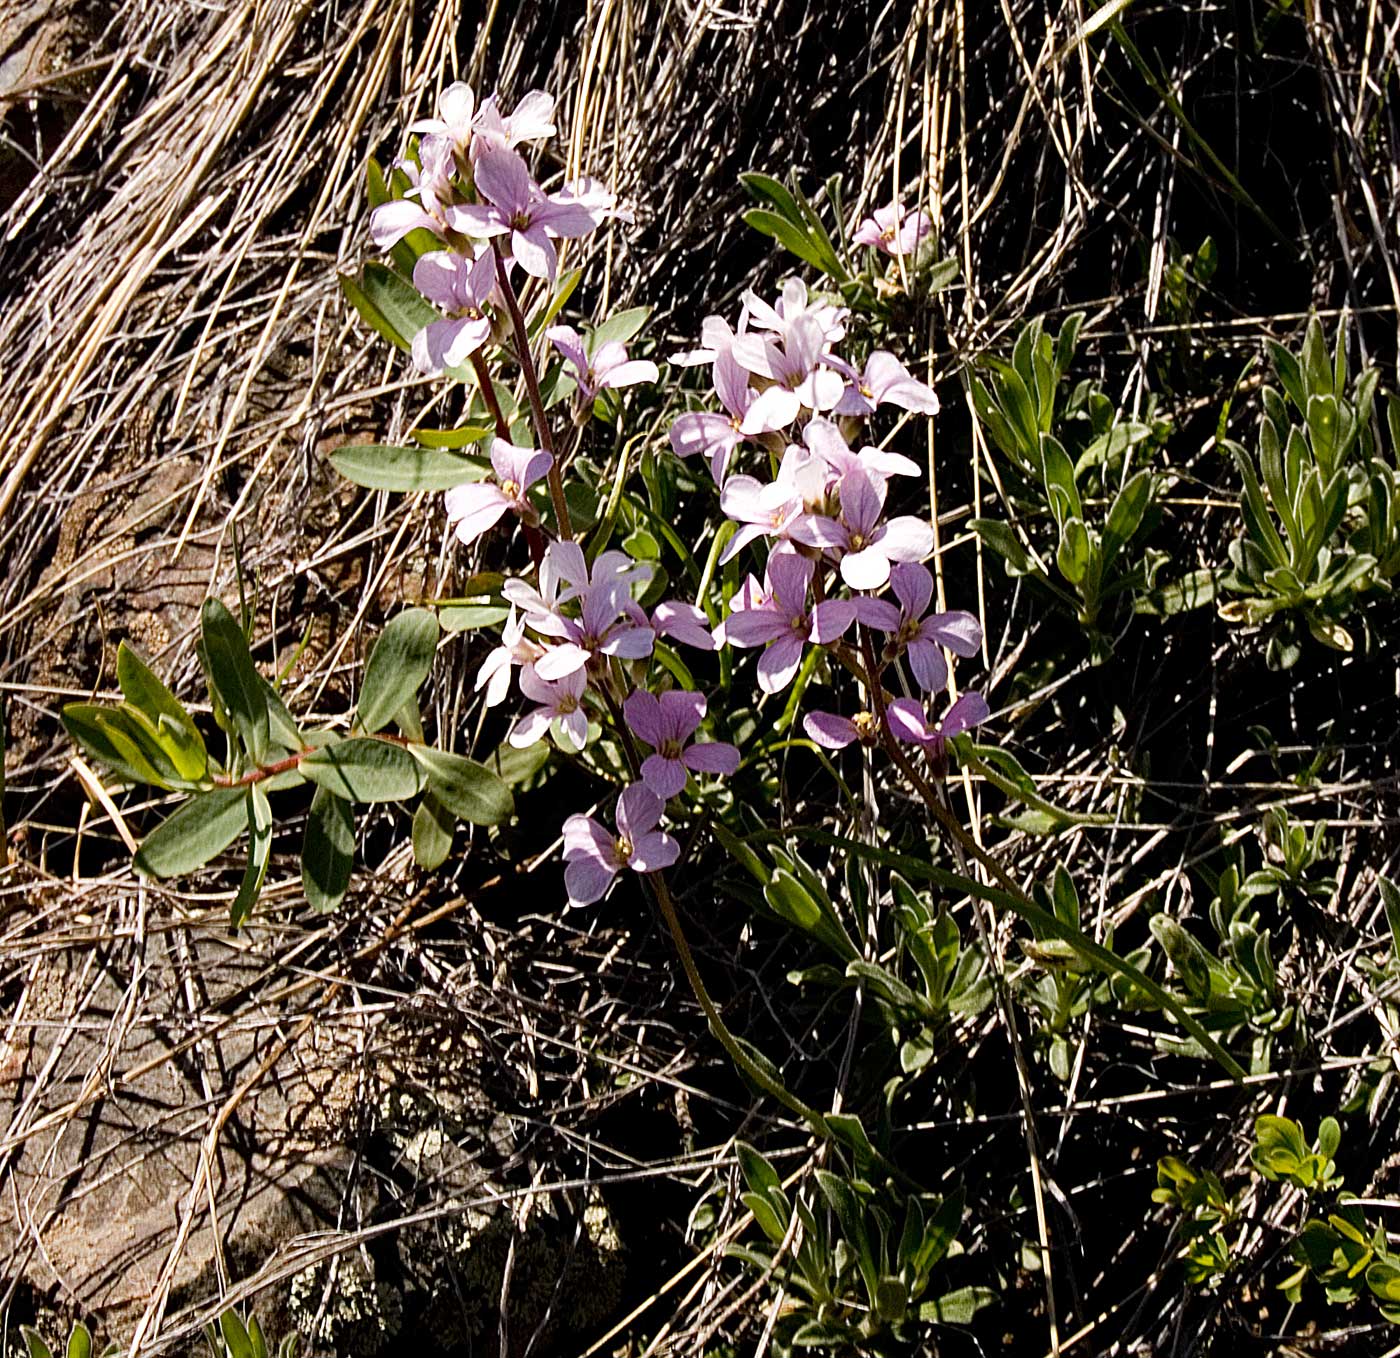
point(467, 184)
point(797, 479)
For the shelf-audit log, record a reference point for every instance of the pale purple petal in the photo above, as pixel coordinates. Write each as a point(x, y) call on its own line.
point(681, 713)
point(907, 722)
point(913, 587)
point(643, 713)
point(435, 276)
point(830, 619)
point(970, 710)
point(464, 337)
point(638, 810)
point(570, 344)
point(474, 508)
point(960, 632)
point(629, 643)
point(929, 666)
point(479, 220)
point(686, 623)
point(880, 614)
point(829, 730)
point(534, 251)
point(530, 728)
point(779, 663)
point(890, 383)
point(731, 384)
point(389, 223)
point(789, 576)
point(816, 530)
point(574, 726)
point(755, 626)
point(585, 838)
point(560, 661)
point(630, 373)
point(775, 408)
point(713, 756)
point(760, 356)
point(652, 852)
point(862, 501)
point(533, 118)
point(665, 777)
point(503, 178)
point(587, 880)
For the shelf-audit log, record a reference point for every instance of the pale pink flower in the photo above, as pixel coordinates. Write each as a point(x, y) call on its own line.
point(558, 699)
point(893, 231)
point(886, 381)
point(909, 722)
point(593, 856)
point(716, 436)
point(533, 120)
point(461, 286)
point(515, 649)
point(426, 202)
point(800, 380)
point(834, 732)
point(860, 540)
point(607, 370)
point(456, 106)
point(924, 637)
point(667, 723)
point(476, 506)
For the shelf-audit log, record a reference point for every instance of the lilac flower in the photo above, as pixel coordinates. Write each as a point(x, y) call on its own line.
point(515, 649)
point(908, 721)
point(425, 203)
point(607, 370)
point(594, 856)
point(886, 381)
point(456, 106)
point(834, 732)
point(557, 698)
point(782, 618)
point(792, 304)
point(824, 439)
point(864, 545)
point(716, 436)
point(892, 231)
point(795, 369)
point(533, 120)
point(476, 506)
point(923, 637)
point(461, 287)
point(686, 623)
point(517, 207)
point(716, 338)
point(775, 509)
point(606, 625)
point(666, 723)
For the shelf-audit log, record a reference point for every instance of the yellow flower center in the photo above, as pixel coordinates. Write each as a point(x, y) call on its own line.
point(510, 489)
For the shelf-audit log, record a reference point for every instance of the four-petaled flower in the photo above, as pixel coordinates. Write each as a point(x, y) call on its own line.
point(560, 699)
point(864, 544)
point(800, 379)
point(666, 723)
point(476, 506)
point(716, 436)
point(515, 649)
point(517, 207)
point(593, 855)
point(923, 637)
point(426, 202)
point(461, 286)
point(893, 231)
point(533, 120)
point(886, 381)
point(909, 722)
point(607, 370)
point(783, 619)
point(456, 107)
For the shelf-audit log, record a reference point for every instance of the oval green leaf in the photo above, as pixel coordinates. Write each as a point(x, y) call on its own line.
point(397, 666)
point(203, 827)
point(468, 789)
point(365, 770)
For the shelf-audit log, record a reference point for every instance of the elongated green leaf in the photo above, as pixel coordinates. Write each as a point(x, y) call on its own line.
point(1075, 552)
point(515, 766)
point(791, 238)
point(99, 732)
point(259, 851)
point(758, 1173)
point(232, 672)
point(235, 1336)
point(623, 326)
point(328, 851)
point(1126, 515)
point(433, 826)
point(382, 466)
point(468, 789)
point(370, 313)
point(1001, 538)
point(960, 1307)
point(79, 1342)
point(364, 769)
point(34, 1342)
point(464, 437)
point(400, 661)
point(194, 833)
point(764, 186)
point(179, 736)
point(466, 617)
point(398, 301)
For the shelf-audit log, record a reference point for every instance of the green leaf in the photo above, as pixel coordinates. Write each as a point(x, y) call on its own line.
point(1125, 516)
point(468, 789)
point(397, 301)
point(433, 827)
point(400, 661)
point(849, 1130)
point(621, 327)
point(1196, 590)
point(467, 617)
point(763, 186)
point(35, 1343)
point(259, 814)
point(364, 769)
point(99, 732)
point(328, 850)
point(465, 437)
point(1001, 538)
point(232, 672)
point(235, 1336)
point(758, 1173)
point(1075, 554)
point(178, 735)
point(514, 766)
point(79, 1342)
point(958, 1308)
point(1390, 899)
point(194, 833)
point(792, 238)
point(790, 900)
point(380, 466)
point(370, 313)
